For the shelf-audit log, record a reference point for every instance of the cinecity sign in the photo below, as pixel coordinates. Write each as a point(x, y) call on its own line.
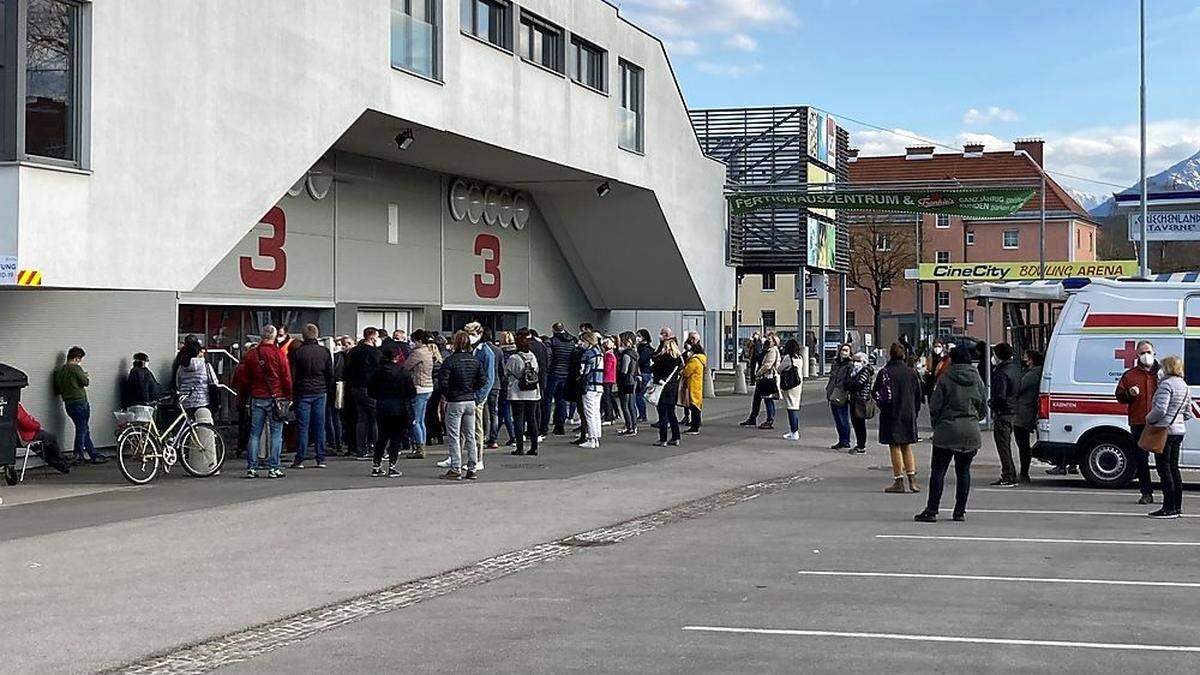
point(1006, 271)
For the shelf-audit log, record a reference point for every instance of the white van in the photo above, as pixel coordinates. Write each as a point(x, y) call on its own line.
point(1093, 343)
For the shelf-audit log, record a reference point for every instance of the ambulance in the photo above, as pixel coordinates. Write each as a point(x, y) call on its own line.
point(1094, 341)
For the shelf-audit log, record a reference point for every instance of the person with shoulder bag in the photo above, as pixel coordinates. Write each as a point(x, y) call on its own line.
point(862, 406)
point(897, 391)
point(663, 391)
point(838, 395)
point(956, 406)
point(266, 381)
point(791, 386)
point(1166, 424)
point(766, 387)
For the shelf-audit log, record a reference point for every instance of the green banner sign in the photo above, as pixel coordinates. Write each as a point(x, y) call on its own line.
point(974, 203)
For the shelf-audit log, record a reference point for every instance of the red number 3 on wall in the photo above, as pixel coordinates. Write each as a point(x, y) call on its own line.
point(269, 247)
point(487, 285)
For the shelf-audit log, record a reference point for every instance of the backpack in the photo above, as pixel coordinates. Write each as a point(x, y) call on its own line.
point(529, 379)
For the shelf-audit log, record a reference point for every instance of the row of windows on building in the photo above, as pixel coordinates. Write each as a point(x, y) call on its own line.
point(1011, 239)
point(416, 35)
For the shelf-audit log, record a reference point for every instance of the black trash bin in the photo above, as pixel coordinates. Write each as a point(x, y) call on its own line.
point(12, 381)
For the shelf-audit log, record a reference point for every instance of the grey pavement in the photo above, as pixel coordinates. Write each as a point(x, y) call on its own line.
point(101, 579)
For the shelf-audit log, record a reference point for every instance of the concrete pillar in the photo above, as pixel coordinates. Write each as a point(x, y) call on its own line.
point(739, 378)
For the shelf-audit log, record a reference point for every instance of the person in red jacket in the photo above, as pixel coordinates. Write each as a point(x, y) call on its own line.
point(263, 377)
point(30, 430)
point(1136, 390)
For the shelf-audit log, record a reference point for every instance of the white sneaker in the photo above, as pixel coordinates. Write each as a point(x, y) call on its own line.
point(791, 436)
point(445, 463)
point(542, 439)
point(479, 465)
point(592, 443)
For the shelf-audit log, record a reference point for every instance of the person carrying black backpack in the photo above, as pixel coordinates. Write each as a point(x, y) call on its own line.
point(524, 393)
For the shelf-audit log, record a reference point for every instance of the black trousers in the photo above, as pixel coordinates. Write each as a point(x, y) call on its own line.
point(392, 433)
point(628, 410)
point(1023, 437)
point(860, 428)
point(608, 404)
point(1167, 465)
point(695, 418)
point(1002, 432)
point(668, 419)
point(367, 431)
point(526, 422)
point(1142, 459)
point(938, 465)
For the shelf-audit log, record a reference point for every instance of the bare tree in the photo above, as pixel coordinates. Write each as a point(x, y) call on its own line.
point(881, 249)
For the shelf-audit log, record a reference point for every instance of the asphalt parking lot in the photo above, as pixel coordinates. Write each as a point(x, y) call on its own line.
point(825, 576)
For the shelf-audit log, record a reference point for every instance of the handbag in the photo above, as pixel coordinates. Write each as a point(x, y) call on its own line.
point(1154, 438)
point(790, 378)
point(654, 390)
point(214, 388)
point(281, 408)
point(865, 409)
point(767, 386)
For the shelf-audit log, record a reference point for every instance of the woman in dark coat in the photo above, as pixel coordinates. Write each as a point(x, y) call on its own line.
point(393, 390)
point(666, 367)
point(1026, 404)
point(958, 403)
point(897, 392)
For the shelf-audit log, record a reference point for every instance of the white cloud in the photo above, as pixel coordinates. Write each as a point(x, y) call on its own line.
point(990, 142)
point(729, 69)
point(682, 47)
point(741, 42)
point(1112, 153)
point(698, 22)
point(872, 142)
point(991, 114)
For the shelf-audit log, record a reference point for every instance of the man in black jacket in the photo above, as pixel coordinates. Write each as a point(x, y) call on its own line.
point(141, 387)
point(542, 354)
point(562, 345)
point(312, 386)
point(361, 364)
point(1006, 380)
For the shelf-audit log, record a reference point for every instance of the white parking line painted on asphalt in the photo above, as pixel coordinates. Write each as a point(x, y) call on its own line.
point(1032, 540)
point(1114, 646)
point(1041, 512)
point(1064, 491)
point(979, 577)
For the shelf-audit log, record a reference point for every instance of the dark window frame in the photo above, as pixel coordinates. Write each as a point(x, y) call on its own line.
point(502, 38)
point(529, 23)
point(433, 13)
point(773, 281)
point(579, 70)
point(633, 99)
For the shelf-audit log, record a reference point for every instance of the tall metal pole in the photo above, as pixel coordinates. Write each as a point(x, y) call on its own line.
point(920, 289)
point(1042, 230)
point(1143, 258)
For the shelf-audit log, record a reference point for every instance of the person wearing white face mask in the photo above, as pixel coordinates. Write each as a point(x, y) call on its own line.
point(1136, 390)
point(939, 361)
point(862, 406)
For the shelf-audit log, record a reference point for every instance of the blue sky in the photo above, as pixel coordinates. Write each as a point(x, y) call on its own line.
point(952, 70)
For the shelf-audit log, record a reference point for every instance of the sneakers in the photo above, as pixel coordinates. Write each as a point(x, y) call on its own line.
point(857, 451)
point(451, 475)
point(377, 471)
point(532, 452)
point(518, 453)
point(792, 436)
point(1003, 483)
point(470, 475)
point(416, 454)
point(322, 465)
point(275, 473)
point(591, 443)
point(294, 465)
point(748, 423)
point(444, 464)
point(1057, 471)
point(766, 426)
point(1163, 514)
point(491, 445)
point(673, 444)
point(542, 438)
point(393, 472)
point(660, 444)
point(251, 473)
point(692, 432)
point(925, 517)
point(363, 457)
point(1146, 499)
point(959, 517)
point(99, 459)
point(510, 442)
point(479, 465)
point(839, 446)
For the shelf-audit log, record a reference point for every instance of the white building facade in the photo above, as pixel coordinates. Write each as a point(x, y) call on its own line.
point(173, 168)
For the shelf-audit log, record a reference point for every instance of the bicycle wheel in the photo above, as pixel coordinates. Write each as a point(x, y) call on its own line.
point(138, 456)
point(203, 450)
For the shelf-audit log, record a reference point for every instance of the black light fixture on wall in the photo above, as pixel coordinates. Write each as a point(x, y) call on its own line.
point(404, 139)
point(604, 189)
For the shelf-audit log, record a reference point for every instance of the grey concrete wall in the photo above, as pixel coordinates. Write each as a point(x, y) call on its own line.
point(39, 326)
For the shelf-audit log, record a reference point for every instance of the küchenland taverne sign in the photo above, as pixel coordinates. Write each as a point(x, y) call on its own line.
point(971, 203)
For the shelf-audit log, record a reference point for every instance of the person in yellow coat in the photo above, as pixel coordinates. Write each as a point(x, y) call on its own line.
point(691, 388)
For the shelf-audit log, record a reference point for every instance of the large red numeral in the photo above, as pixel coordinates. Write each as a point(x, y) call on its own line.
point(489, 290)
point(268, 247)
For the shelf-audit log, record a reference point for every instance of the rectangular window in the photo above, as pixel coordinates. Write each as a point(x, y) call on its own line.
point(415, 36)
point(631, 110)
point(768, 319)
point(588, 64)
point(970, 317)
point(488, 20)
point(541, 42)
point(943, 257)
point(52, 80)
point(943, 221)
point(768, 281)
point(943, 299)
point(1012, 238)
point(883, 242)
point(970, 237)
point(851, 318)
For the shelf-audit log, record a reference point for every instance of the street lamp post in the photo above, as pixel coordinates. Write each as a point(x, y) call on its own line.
point(1143, 256)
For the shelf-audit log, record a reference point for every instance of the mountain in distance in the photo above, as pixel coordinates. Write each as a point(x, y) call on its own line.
point(1181, 177)
point(1087, 200)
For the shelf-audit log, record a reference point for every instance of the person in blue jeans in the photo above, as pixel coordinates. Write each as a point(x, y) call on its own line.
point(837, 392)
point(313, 382)
point(263, 377)
point(70, 383)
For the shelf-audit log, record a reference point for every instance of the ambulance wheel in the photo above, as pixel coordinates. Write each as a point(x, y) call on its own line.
point(1106, 460)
